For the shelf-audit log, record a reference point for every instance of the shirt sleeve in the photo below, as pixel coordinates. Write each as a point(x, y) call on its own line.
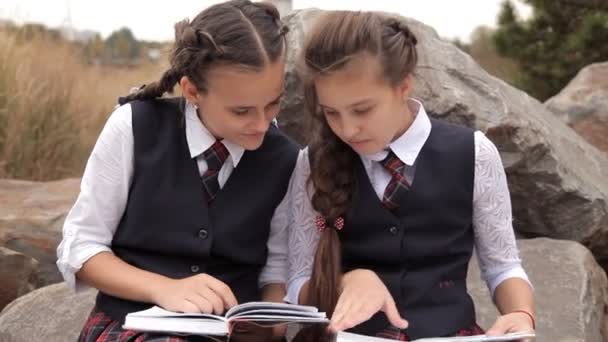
point(90, 224)
point(303, 237)
point(275, 270)
point(495, 243)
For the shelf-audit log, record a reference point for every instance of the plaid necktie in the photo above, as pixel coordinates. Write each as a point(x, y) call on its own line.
point(215, 156)
point(398, 185)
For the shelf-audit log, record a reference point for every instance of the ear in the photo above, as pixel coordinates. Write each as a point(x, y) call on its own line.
point(406, 86)
point(189, 90)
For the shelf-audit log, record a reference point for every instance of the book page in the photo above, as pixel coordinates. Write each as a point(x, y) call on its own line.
point(274, 313)
point(350, 337)
point(344, 336)
point(157, 311)
point(482, 338)
point(246, 307)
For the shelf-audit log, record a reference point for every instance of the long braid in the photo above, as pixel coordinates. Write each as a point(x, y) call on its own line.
point(336, 39)
point(155, 89)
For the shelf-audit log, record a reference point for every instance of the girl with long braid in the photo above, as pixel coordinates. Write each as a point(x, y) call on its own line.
point(387, 203)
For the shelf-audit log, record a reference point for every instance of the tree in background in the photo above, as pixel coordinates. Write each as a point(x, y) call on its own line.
point(30, 31)
point(560, 38)
point(121, 47)
point(94, 49)
point(483, 50)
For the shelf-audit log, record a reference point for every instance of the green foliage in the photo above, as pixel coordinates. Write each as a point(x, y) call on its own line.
point(483, 50)
point(122, 47)
point(560, 38)
point(94, 49)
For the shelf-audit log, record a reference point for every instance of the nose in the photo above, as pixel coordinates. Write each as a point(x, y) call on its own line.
point(261, 123)
point(349, 129)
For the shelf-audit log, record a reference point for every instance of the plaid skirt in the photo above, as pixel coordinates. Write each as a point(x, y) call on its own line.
point(100, 327)
point(395, 333)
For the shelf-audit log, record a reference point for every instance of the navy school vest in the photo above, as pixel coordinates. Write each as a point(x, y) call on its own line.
point(168, 228)
point(421, 251)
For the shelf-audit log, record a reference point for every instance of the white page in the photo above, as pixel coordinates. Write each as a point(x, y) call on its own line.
point(350, 337)
point(278, 312)
point(269, 305)
point(179, 324)
point(279, 318)
point(481, 338)
point(157, 311)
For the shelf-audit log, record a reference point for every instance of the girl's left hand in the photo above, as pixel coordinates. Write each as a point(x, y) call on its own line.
point(363, 294)
point(512, 322)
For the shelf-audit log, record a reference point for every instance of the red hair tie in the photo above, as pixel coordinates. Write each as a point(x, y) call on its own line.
point(321, 223)
point(339, 223)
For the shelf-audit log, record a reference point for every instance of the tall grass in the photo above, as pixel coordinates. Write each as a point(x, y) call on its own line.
point(52, 106)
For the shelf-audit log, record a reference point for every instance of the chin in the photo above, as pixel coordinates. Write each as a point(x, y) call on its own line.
point(366, 149)
point(251, 143)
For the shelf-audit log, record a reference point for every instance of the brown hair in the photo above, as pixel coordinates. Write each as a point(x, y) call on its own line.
point(237, 32)
point(337, 38)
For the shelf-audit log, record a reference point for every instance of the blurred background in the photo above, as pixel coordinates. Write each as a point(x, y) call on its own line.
point(542, 99)
point(63, 63)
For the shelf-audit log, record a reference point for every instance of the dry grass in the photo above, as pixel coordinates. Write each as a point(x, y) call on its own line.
point(52, 107)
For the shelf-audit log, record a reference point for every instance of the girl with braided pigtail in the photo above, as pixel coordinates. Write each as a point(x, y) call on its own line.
point(166, 215)
point(388, 203)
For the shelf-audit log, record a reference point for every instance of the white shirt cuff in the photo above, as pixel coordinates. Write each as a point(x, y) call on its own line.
point(515, 272)
point(293, 290)
point(69, 266)
point(272, 276)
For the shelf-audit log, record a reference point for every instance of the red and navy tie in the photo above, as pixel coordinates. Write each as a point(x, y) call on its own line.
point(215, 156)
point(398, 185)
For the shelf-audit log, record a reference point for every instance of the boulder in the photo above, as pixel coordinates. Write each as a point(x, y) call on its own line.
point(583, 104)
point(570, 290)
point(18, 275)
point(53, 314)
point(31, 219)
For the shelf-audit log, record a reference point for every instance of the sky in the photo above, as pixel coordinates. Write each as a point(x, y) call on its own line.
point(153, 20)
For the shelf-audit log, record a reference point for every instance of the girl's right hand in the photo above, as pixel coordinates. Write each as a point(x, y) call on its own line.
point(363, 294)
point(201, 293)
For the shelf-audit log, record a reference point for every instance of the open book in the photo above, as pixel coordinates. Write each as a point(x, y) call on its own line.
point(157, 319)
point(349, 337)
point(267, 314)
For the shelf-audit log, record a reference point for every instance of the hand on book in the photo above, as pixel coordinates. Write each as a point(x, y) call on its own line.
point(363, 294)
point(512, 322)
point(200, 293)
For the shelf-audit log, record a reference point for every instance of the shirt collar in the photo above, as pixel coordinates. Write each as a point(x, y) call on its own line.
point(408, 146)
point(200, 139)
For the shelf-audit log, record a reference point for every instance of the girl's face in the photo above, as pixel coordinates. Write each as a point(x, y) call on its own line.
point(361, 107)
point(239, 104)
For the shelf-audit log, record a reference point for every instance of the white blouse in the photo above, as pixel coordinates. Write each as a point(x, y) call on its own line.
point(90, 225)
point(495, 243)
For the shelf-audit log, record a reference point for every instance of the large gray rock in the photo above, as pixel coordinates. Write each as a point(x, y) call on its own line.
point(559, 183)
point(31, 218)
point(17, 275)
point(52, 314)
point(570, 289)
point(292, 118)
point(583, 104)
